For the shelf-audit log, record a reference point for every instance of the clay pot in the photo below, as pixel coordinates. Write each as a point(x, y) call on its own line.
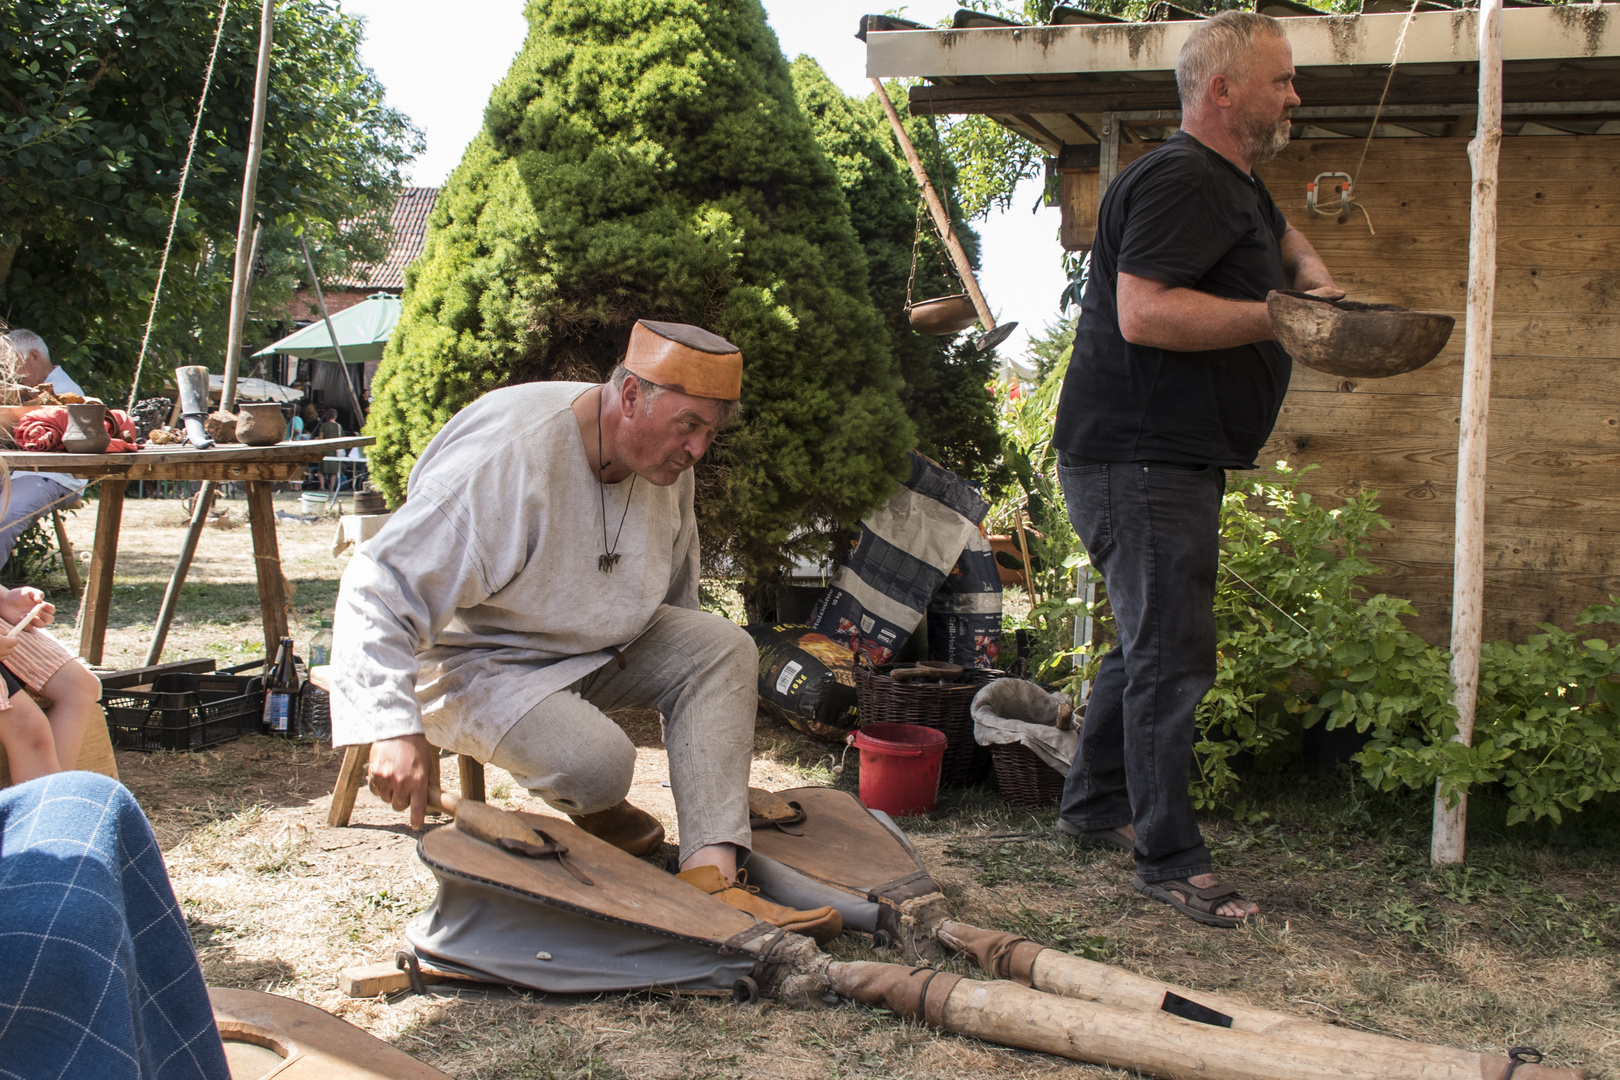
point(86, 429)
point(260, 425)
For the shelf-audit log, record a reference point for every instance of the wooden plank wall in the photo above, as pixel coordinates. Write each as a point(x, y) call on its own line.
point(1553, 513)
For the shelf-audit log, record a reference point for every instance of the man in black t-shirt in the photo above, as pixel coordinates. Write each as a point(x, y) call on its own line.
point(1175, 378)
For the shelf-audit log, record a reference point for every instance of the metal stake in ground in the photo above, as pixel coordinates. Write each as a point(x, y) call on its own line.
point(993, 335)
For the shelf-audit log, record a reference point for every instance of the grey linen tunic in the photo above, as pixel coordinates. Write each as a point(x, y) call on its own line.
point(481, 596)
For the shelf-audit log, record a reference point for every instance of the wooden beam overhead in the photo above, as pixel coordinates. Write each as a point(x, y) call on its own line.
point(1085, 96)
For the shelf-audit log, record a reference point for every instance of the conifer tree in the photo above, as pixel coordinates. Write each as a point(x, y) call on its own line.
point(647, 159)
point(945, 379)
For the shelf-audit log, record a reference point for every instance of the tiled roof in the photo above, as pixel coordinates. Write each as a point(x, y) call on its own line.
point(408, 223)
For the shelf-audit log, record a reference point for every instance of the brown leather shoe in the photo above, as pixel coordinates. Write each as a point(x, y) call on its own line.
point(822, 923)
point(628, 828)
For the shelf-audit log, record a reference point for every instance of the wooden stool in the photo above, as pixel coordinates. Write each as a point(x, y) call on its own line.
point(353, 773)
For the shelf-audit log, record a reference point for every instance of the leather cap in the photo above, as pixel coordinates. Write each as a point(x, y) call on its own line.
point(685, 358)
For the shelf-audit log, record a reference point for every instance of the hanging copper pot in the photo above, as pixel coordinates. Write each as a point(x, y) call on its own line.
point(947, 315)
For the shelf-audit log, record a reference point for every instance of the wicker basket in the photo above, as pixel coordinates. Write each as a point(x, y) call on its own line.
point(945, 707)
point(1025, 780)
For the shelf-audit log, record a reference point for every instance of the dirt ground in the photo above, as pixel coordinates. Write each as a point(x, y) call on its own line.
point(1517, 947)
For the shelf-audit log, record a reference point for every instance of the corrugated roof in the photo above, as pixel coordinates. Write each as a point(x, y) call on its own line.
point(408, 225)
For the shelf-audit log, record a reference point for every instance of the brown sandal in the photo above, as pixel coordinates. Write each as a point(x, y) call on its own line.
point(1197, 904)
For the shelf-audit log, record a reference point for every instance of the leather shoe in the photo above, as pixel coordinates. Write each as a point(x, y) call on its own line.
point(626, 827)
point(822, 923)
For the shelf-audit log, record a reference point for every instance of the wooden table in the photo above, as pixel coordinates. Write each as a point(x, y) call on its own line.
point(260, 467)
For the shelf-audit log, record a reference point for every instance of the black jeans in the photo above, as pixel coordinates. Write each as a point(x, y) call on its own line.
point(1153, 530)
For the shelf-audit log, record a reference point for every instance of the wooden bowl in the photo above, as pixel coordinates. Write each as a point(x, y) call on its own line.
point(1358, 341)
point(947, 315)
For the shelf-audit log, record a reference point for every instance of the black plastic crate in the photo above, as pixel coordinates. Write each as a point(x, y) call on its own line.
point(187, 710)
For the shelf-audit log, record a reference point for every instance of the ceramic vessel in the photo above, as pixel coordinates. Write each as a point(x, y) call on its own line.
point(260, 425)
point(86, 429)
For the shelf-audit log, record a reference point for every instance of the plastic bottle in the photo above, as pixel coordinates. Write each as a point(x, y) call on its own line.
point(320, 646)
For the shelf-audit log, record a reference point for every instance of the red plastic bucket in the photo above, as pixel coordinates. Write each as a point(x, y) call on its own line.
point(899, 767)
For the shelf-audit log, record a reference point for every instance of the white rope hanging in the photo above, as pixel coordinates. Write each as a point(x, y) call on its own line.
point(174, 218)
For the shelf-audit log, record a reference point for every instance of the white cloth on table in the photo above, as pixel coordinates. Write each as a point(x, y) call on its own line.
point(355, 529)
point(481, 596)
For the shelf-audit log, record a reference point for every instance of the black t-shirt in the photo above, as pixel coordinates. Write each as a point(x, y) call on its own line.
point(1185, 216)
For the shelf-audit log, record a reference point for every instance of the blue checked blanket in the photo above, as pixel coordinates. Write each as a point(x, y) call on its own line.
point(98, 978)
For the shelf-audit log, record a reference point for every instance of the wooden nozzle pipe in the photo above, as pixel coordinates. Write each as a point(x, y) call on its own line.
point(1155, 1043)
point(1008, 956)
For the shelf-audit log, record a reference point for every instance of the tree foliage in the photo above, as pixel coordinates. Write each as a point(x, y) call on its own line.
point(97, 102)
point(647, 159)
point(945, 379)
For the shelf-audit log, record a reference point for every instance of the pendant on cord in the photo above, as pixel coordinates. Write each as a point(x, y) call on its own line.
point(607, 561)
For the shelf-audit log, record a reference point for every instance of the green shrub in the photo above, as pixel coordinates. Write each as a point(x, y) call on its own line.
point(647, 159)
point(1300, 644)
point(945, 378)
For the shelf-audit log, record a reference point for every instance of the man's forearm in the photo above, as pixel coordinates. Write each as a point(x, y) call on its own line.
point(1305, 268)
point(1186, 320)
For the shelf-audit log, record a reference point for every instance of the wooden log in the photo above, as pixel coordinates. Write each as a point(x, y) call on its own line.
point(1007, 956)
point(244, 225)
point(1468, 580)
point(1155, 1043)
point(351, 775)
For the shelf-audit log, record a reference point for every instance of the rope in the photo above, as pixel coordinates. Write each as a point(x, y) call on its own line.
point(1400, 47)
point(174, 218)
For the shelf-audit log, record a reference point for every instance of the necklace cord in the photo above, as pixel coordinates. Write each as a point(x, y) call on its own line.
point(610, 556)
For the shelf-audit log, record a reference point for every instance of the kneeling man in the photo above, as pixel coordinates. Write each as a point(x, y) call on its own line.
point(544, 569)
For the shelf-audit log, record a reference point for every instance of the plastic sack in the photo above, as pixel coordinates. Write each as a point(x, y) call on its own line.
point(901, 557)
point(964, 616)
point(807, 680)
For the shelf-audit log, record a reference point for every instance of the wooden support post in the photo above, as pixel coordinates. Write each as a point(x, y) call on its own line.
point(70, 561)
point(103, 561)
point(244, 223)
point(267, 562)
point(343, 366)
point(1468, 566)
point(177, 580)
point(942, 218)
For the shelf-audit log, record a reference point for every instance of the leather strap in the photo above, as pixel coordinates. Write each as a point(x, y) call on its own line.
point(551, 848)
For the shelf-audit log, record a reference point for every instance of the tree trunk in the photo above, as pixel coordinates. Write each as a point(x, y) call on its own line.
point(759, 597)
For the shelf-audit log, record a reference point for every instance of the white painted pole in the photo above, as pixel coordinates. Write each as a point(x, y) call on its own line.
point(1468, 565)
point(244, 224)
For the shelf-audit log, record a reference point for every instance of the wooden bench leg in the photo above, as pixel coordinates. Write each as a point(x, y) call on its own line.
point(70, 561)
point(472, 777)
point(350, 777)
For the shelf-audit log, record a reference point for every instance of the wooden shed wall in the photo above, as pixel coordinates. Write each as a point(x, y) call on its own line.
point(1553, 488)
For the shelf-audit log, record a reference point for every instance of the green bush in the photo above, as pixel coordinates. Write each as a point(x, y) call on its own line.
point(647, 159)
point(945, 379)
point(1300, 644)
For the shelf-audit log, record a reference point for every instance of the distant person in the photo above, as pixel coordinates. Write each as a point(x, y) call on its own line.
point(33, 493)
point(331, 429)
point(295, 424)
point(311, 419)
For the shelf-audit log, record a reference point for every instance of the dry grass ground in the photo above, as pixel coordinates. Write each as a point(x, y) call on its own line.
point(1518, 947)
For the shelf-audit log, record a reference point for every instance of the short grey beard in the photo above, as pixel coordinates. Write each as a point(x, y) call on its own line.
point(1263, 144)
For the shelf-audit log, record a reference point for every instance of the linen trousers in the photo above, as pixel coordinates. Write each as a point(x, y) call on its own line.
point(31, 496)
point(701, 672)
point(1153, 531)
